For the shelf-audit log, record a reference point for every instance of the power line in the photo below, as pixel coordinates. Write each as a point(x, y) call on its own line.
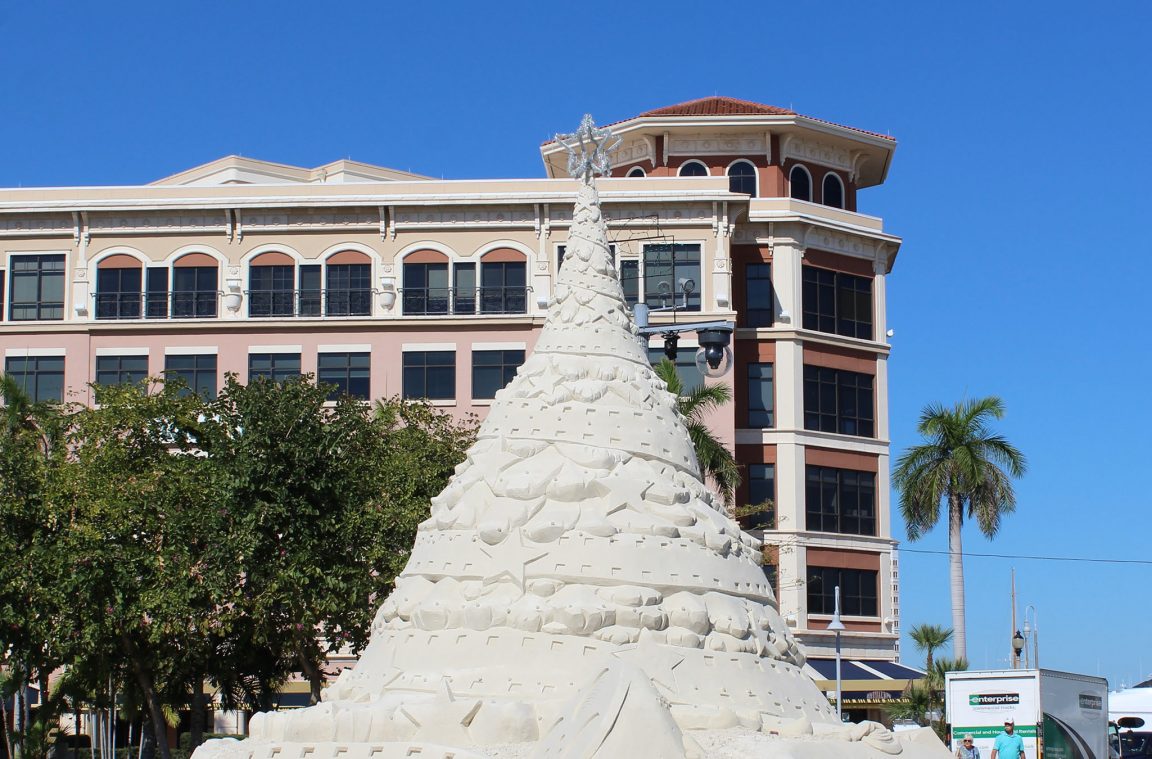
point(1032, 558)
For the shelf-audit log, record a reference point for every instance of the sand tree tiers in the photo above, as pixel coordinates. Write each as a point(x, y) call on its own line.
point(577, 590)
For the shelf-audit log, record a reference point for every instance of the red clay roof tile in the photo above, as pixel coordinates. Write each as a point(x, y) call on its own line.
point(718, 106)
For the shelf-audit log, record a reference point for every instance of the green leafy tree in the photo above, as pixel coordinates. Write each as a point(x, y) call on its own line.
point(716, 461)
point(131, 528)
point(929, 638)
point(967, 467)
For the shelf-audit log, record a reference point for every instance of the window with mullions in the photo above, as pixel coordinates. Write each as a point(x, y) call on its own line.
point(840, 500)
point(3, 294)
point(503, 287)
point(271, 290)
point(760, 305)
point(349, 372)
point(197, 371)
point(799, 183)
point(833, 190)
point(837, 400)
point(761, 396)
point(118, 293)
point(37, 283)
point(349, 289)
point(693, 169)
point(493, 370)
point(742, 178)
point(430, 374)
point(858, 596)
point(426, 289)
point(156, 293)
point(121, 370)
point(278, 367)
point(311, 295)
point(761, 492)
point(669, 270)
point(837, 302)
point(40, 377)
point(195, 291)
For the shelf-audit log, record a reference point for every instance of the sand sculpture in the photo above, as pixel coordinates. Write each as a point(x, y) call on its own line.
point(577, 591)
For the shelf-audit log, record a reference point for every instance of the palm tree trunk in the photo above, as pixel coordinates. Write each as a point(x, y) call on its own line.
point(956, 570)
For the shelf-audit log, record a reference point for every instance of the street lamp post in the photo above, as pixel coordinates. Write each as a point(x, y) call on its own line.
point(1034, 629)
point(1017, 647)
point(838, 626)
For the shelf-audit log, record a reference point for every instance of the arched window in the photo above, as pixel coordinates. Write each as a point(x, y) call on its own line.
point(636, 173)
point(833, 190)
point(742, 178)
point(348, 283)
point(800, 183)
point(119, 287)
point(503, 282)
point(693, 169)
point(426, 288)
point(272, 285)
point(195, 286)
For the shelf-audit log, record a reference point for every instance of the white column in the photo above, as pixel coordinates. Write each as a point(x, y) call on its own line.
point(881, 391)
point(880, 298)
point(787, 255)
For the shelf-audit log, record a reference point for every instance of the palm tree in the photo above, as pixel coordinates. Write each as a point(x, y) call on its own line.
point(928, 638)
point(715, 460)
point(968, 467)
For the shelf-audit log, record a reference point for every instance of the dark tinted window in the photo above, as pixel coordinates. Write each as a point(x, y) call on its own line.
point(761, 492)
point(430, 374)
point(833, 191)
point(858, 588)
point(426, 289)
point(37, 288)
point(760, 310)
point(493, 370)
point(672, 276)
point(837, 302)
point(40, 377)
point(277, 367)
point(799, 184)
point(121, 370)
point(198, 372)
point(837, 400)
point(840, 500)
point(690, 376)
point(503, 288)
point(194, 291)
point(636, 172)
point(349, 289)
point(118, 293)
point(157, 295)
point(349, 372)
point(761, 402)
point(693, 169)
point(271, 290)
point(742, 178)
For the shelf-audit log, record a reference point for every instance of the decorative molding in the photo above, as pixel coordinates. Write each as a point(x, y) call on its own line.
point(157, 222)
point(718, 144)
point(646, 213)
point(462, 216)
point(838, 242)
point(823, 153)
point(749, 234)
point(633, 152)
point(42, 223)
point(299, 218)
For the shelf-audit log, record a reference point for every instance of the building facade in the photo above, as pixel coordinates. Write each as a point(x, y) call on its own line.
point(383, 283)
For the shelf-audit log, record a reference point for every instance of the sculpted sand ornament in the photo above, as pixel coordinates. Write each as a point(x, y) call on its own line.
point(577, 590)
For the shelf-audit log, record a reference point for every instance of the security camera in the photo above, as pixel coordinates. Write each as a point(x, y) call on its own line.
point(714, 357)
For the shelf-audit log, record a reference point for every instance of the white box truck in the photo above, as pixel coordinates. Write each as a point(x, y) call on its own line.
point(1058, 714)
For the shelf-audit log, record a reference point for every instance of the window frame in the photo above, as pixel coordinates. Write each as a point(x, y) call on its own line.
point(824, 385)
point(274, 373)
point(633, 175)
point(421, 366)
point(123, 376)
point(840, 186)
point(792, 182)
point(193, 376)
point(507, 367)
point(756, 413)
point(754, 176)
point(695, 300)
point(834, 517)
point(754, 316)
point(342, 376)
point(36, 369)
point(45, 310)
point(824, 293)
point(693, 162)
point(822, 588)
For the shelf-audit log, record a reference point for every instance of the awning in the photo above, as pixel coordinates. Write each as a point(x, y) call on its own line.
point(863, 681)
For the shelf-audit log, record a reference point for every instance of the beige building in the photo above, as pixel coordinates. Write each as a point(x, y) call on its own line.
point(384, 282)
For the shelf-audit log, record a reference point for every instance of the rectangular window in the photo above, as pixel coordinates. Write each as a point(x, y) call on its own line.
point(630, 280)
point(349, 289)
point(277, 367)
point(310, 292)
point(349, 372)
point(503, 287)
point(271, 290)
point(195, 291)
point(118, 293)
point(430, 374)
point(840, 500)
point(761, 396)
point(121, 370)
point(40, 377)
point(836, 400)
point(761, 492)
point(37, 288)
point(198, 373)
point(760, 306)
point(672, 276)
point(837, 302)
point(3, 293)
point(464, 294)
point(426, 289)
point(156, 299)
point(857, 591)
point(690, 376)
point(493, 370)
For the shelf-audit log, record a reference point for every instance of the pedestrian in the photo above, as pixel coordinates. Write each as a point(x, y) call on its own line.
point(1008, 744)
point(966, 750)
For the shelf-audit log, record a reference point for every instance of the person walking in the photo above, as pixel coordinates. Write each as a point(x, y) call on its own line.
point(966, 750)
point(1008, 744)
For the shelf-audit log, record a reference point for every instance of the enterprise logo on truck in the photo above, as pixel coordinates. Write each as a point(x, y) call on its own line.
point(1090, 701)
point(993, 699)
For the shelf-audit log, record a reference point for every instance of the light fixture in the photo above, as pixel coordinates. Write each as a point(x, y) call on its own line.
point(388, 292)
point(1017, 647)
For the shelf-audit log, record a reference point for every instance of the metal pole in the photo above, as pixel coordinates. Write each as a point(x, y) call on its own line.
point(838, 626)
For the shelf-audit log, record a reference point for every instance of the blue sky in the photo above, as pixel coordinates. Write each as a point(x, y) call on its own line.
point(1019, 186)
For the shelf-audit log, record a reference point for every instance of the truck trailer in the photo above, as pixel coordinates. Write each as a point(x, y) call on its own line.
point(1059, 715)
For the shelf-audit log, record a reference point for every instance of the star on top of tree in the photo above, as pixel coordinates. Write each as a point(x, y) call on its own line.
point(589, 149)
